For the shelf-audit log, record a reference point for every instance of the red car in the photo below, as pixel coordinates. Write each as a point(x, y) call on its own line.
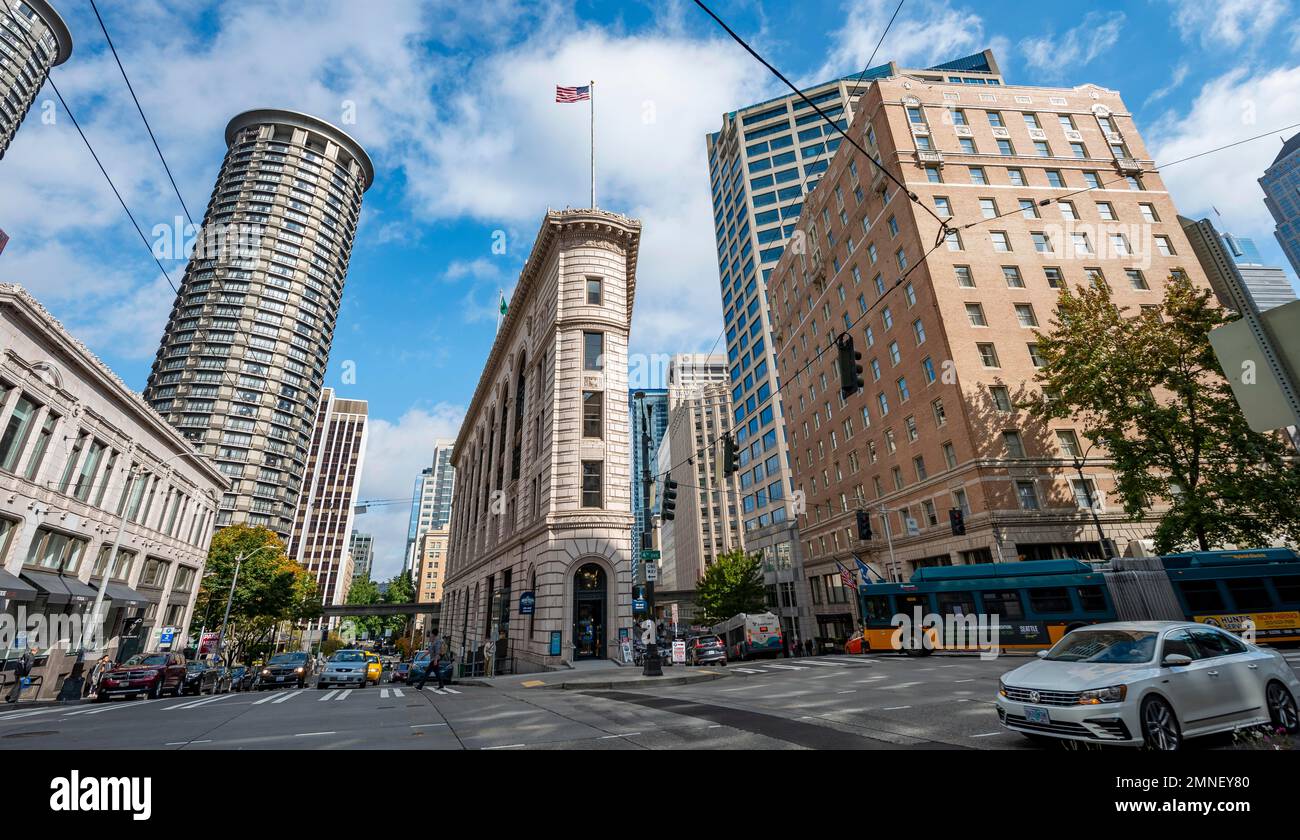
point(151, 674)
point(401, 671)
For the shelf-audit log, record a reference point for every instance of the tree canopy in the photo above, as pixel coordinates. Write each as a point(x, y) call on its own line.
point(732, 584)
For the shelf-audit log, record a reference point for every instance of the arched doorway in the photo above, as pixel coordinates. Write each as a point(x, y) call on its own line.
point(589, 612)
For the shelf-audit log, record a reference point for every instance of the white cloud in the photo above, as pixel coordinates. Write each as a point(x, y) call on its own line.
point(1175, 81)
point(395, 454)
point(1052, 56)
point(1232, 107)
point(1229, 23)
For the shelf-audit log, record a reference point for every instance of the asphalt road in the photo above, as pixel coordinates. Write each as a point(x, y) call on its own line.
point(873, 702)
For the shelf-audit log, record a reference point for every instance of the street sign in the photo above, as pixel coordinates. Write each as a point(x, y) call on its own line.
point(674, 615)
point(208, 644)
point(527, 603)
point(626, 646)
point(650, 554)
point(679, 652)
point(912, 528)
point(651, 572)
point(168, 635)
point(638, 605)
point(1262, 397)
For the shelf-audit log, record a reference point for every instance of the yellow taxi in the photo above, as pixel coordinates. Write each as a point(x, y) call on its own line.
point(374, 668)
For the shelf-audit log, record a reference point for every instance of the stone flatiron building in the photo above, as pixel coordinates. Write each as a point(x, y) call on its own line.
point(243, 359)
point(543, 500)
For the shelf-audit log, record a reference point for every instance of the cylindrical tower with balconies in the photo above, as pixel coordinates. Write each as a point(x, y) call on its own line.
point(33, 38)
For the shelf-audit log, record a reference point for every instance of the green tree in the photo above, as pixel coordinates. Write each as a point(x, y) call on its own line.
point(1148, 389)
point(270, 589)
point(401, 590)
point(362, 593)
point(733, 584)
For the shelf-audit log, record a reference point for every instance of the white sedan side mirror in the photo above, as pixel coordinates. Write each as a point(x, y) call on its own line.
point(1042, 654)
point(1176, 660)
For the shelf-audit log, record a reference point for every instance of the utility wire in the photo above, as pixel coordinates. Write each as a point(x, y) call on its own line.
point(50, 78)
point(943, 223)
point(138, 107)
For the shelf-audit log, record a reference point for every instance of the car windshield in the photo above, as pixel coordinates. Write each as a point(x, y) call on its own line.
point(196, 666)
point(1107, 646)
point(708, 640)
point(288, 659)
point(147, 659)
point(348, 656)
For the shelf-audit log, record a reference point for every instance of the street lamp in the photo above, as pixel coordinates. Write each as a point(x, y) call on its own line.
point(239, 561)
point(1079, 460)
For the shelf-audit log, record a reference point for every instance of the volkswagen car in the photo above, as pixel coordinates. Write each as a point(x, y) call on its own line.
point(1148, 683)
point(345, 668)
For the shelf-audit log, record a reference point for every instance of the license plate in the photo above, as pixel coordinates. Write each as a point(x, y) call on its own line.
point(1034, 714)
point(279, 679)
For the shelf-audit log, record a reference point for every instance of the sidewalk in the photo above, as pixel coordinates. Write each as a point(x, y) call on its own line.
point(603, 676)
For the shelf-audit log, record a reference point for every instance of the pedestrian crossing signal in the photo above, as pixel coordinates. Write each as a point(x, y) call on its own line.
point(957, 520)
point(864, 525)
point(850, 371)
point(730, 461)
point(668, 504)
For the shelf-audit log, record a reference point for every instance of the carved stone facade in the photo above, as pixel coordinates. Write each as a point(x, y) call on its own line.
point(543, 472)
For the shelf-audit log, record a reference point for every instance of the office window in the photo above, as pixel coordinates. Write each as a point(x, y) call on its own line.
point(977, 175)
point(1068, 212)
point(975, 312)
point(1015, 445)
point(1069, 442)
point(1078, 150)
point(1149, 212)
point(15, 434)
point(1164, 246)
point(1106, 210)
point(1042, 149)
point(1136, 278)
point(1028, 209)
point(593, 414)
point(594, 296)
point(1053, 277)
point(1001, 242)
point(1011, 274)
point(1004, 147)
point(593, 473)
point(1042, 242)
point(988, 208)
point(949, 456)
point(1027, 495)
point(1016, 177)
point(593, 351)
point(988, 355)
point(942, 206)
point(1054, 178)
point(1025, 315)
point(964, 277)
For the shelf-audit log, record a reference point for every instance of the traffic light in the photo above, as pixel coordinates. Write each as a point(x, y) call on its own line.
point(668, 505)
point(957, 520)
point(730, 462)
point(850, 371)
point(864, 525)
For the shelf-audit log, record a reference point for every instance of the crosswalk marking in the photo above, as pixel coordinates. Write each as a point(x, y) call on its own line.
point(750, 670)
point(442, 691)
point(397, 692)
point(194, 704)
point(343, 694)
point(383, 694)
point(288, 696)
point(267, 699)
point(331, 693)
point(18, 715)
point(847, 661)
point(788, 667)
point(822, 664)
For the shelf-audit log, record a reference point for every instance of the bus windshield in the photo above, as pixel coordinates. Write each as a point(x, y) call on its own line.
point(1106, 646)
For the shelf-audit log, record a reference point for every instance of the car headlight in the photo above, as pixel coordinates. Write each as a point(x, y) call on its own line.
point(1110, 694)
point(148, 674)
point(266, 672)
point(1002, 688)
point(298, 670)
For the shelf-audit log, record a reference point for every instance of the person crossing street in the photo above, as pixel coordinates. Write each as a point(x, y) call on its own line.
point(435, 659)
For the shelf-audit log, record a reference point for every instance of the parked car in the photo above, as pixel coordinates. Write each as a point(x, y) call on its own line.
point(150, 674)
point(205, 678)
point(346, 668)
point(401, 671)
point(242, 678)
point(286, 669)
point(706, 650)
point(1148, 683)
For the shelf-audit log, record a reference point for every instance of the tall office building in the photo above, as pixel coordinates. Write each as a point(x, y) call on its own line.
point(1281, 184)
point(432, 567)
point(33, 38)
point(1267, 286)
point(762, 162)
point(648, 422)
point(707, 522)
point(431, 501)
point(690, 373)
point(243, 359)
point(322, 525)
point(1045, 187)
point(362, 549)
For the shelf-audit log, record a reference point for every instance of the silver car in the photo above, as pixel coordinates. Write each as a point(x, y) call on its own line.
point(1148, 683)
point(345, 668)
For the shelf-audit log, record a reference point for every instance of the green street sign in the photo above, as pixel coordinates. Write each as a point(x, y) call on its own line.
point(650, 554)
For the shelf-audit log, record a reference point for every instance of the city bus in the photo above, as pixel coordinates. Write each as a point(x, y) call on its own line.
point(1036, 602)
point(1039, 601)
point(748, 635)
point(1256, 590)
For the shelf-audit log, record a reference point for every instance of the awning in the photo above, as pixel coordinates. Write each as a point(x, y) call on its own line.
point(81, 592)
point(14, 588)
point(124, 596)
point(50, 584)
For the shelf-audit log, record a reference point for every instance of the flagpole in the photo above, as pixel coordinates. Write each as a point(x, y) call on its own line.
point(592, 99)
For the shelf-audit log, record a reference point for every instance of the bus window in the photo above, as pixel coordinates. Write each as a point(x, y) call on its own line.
point(1202, 596)
point(1091, 598)
point(1049, 599)
point(1005, 603)
point(1288, 589)
point(877, 609)
point(907, 603)
point(1249, 593)
point(956, 603)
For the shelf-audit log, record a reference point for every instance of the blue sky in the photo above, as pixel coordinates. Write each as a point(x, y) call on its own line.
point(454, 102)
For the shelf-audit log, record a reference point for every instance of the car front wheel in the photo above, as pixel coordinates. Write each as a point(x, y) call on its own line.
point(1282, 708)
point(1160, 730)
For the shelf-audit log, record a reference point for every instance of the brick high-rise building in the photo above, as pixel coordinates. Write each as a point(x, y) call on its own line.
point(322, 526)
point(33, 38)
point(1042, 187)
point(242, 363)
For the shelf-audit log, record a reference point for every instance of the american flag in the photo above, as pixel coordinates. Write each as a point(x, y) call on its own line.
point(572, 94)
point(846, 576)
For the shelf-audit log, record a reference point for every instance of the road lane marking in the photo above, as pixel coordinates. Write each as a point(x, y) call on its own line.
point(18, 715)
point(788, 667)
point(383, 694)
point(622, 735)
point(343, 694)
point(822, 664)
point(969, 680)
point(311, 734)
point(504, 747)
point(986, 734)
point(267, 699)
point(849, 661)
point(895, 708)
point(108, 707)
point(331, 693)
point(451, 691)
point(847, 691)
point(194, 704)
point(750, 670)
point(288, 696)
point(424, 725)
point(186, 743)
point(900, 685)
point(397, 692)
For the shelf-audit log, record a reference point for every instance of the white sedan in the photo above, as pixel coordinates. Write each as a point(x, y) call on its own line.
point(1152, 683)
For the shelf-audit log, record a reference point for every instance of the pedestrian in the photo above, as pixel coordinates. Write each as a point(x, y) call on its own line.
point(22, 668)
point(97, 674)
point(435, 659)
point(794, 645)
